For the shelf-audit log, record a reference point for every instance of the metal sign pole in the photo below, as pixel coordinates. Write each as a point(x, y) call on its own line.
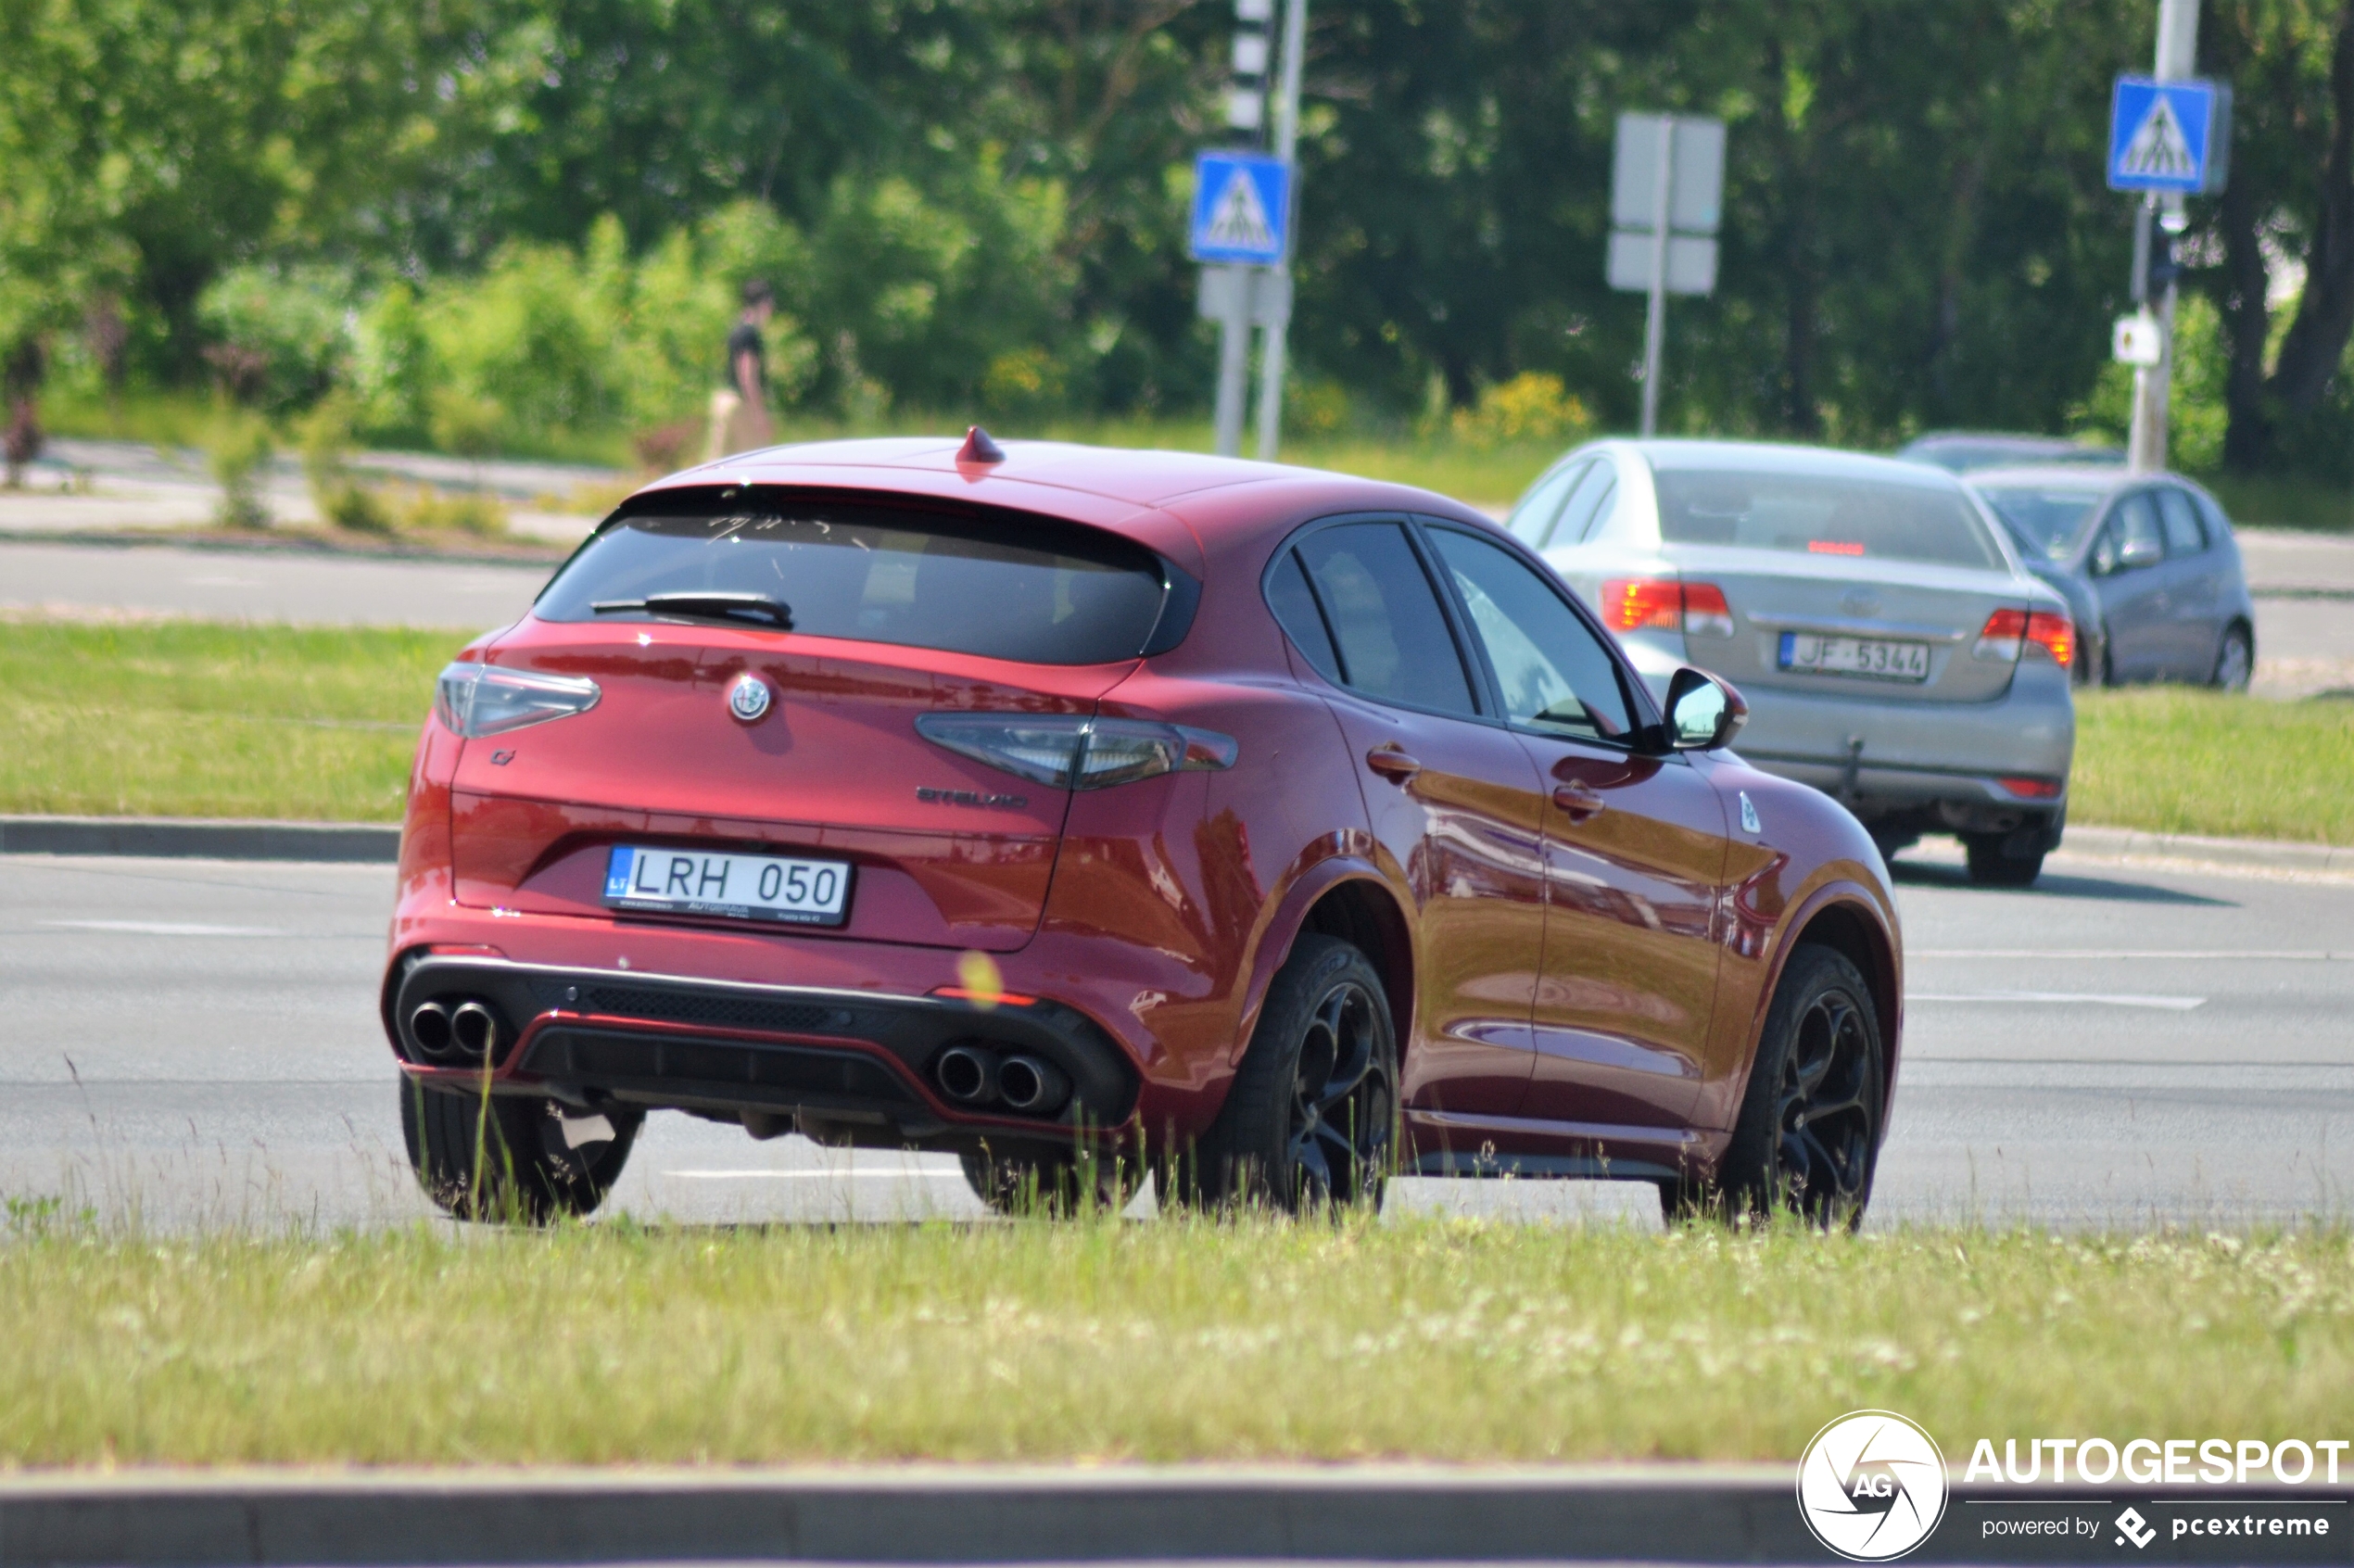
point(1655, 323)
point(1270, 369)
point(2145, 444)
point(1233, 365)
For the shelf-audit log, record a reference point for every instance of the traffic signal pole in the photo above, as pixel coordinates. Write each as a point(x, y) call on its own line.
point(2145, 444)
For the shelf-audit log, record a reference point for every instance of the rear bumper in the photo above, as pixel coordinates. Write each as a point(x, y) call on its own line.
point(856, 1060)
point(1916, 752)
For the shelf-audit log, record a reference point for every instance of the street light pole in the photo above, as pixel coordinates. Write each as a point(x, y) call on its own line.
point(1270, 369)
point(2145, 444)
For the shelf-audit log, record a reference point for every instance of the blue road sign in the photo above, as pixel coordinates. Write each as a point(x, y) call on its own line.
point(2163, 135)
point(1242, 207)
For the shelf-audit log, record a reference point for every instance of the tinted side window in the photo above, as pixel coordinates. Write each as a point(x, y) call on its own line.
point(1532, 520)
point(1554, 673)
point(2183, 535)
point(1390, 634)
point(1296, 611)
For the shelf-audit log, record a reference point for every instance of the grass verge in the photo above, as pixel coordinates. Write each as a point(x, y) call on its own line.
point(1172, 1341)
point(194, 718)
point(190, 718)
point(2173, 760)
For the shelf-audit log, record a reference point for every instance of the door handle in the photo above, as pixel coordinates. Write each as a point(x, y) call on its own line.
point(1392, 763)
point(1578, 802)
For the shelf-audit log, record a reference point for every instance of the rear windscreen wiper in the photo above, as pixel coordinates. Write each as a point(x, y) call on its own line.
point(757, 608)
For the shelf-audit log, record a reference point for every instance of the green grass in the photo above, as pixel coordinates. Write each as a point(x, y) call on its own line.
point(188, 718)
point(191, 718)
point(2284, 503)
point(1168, 1341)
point(2177, 761)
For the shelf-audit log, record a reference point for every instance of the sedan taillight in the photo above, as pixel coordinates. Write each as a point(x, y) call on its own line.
point(1664, 605)
point(478, 700)
point(1070, 751)
point(2009, 633)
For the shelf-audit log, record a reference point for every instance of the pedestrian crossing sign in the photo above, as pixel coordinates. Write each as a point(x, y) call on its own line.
point(1242, 207)
point(2168, 136)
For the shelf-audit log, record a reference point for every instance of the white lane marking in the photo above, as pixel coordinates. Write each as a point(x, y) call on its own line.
point(2101, 998)
point(2309, 956)
point(161, 927)
point(816, 1175)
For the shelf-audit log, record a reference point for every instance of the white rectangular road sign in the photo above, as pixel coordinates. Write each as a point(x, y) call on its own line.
point(1697, 184)
point(1691, 262)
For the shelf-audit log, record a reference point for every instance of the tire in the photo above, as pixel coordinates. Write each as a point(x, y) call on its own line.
point(2235, 661)
point(1993, 863)
point(1819, 1065)
point(1310, 1120)
point(530, 1172)
point(1052, 1186)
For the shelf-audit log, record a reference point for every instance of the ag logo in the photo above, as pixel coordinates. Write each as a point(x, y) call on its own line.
point(1871, 1485)
point(748, 699)
point(2133, 1528)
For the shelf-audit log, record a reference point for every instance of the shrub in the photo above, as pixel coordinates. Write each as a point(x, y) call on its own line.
point(240, 450)
point(1532, 406)
point(279, 337)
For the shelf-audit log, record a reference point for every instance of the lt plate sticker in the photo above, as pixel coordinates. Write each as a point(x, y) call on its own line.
point(741, 887)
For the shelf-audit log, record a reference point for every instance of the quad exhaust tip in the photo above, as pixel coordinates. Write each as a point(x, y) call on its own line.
point(967, 1075)
point(467, 1031)
point(974, 1075)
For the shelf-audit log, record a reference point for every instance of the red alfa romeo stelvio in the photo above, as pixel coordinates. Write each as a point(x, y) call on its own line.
point(1277, 830)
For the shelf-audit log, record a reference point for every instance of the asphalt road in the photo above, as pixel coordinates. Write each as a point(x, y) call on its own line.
point(195, 1043)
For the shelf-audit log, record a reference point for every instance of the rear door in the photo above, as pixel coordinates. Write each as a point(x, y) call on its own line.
point(2194, 585)
point(1450, 795)
point(2137, 605)
point(1634, 853)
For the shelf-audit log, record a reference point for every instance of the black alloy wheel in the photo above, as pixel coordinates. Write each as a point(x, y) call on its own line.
point(1310, 1123)
point(1808, 1137)
point(1059, 1184)
point(539, 1160)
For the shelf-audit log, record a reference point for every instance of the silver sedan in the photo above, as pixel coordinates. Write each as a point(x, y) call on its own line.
point(1895, 652)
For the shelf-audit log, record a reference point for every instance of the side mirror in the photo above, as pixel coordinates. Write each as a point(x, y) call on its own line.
point(1704, 713)
point(2141, 552)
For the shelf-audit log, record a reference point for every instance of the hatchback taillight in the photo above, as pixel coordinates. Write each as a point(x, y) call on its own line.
point(1071, 751)
point(2009, 633)
point(478, 700)
point(1664, 605)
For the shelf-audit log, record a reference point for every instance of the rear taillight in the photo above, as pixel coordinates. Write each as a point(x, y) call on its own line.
point(2009, 633)
point(1663, 604)
point(478, 700)
point(1075, 753)
point(2032, 789)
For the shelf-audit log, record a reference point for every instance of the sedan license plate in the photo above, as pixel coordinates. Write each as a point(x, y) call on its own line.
point(743, 887)
point(1865, 656)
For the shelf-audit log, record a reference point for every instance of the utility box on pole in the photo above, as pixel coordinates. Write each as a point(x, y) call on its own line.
point(1666, 189)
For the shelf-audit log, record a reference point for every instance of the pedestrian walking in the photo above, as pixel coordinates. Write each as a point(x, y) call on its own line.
point(739, 408)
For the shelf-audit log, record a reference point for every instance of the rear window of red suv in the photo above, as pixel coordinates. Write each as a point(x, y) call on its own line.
point(1028, 589)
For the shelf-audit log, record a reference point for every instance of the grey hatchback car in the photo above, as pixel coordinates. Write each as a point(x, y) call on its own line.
point(2147, 562)
point(1894, 652)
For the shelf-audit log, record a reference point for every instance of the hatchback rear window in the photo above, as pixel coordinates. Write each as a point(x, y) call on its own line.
point(1815, 514)
point(1002, 588)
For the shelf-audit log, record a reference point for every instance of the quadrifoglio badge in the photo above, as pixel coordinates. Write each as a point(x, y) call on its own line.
point(1872, 1486)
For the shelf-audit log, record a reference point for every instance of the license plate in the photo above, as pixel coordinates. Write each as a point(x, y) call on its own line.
point(743, 887)
point(1865, 656)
